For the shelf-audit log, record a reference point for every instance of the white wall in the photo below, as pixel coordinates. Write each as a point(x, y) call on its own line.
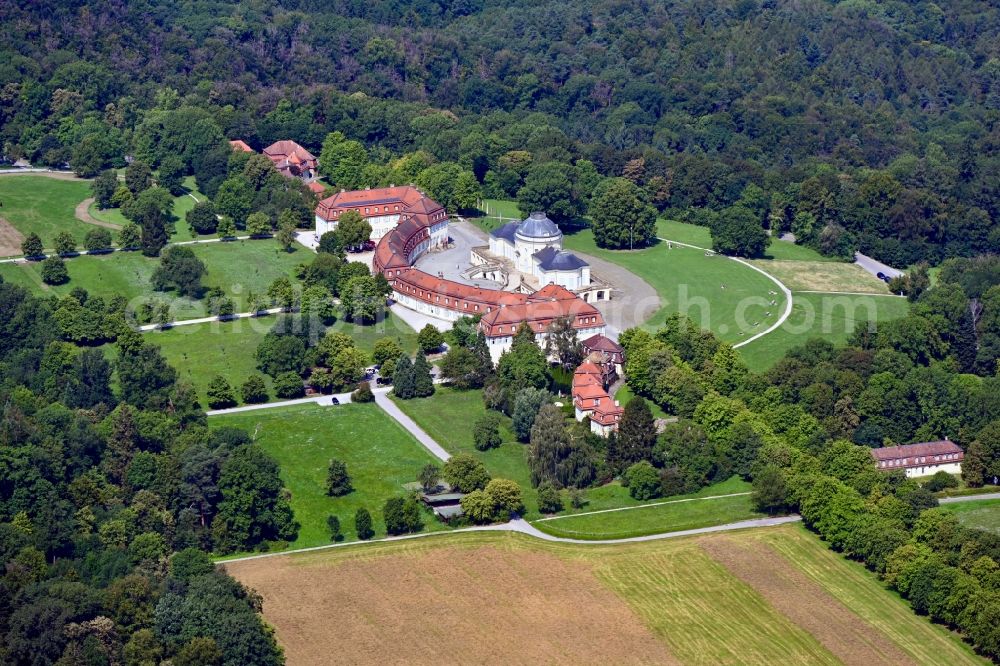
point(930, 468)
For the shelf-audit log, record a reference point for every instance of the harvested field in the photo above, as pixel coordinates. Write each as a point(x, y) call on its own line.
point(805, 603)
point(10, 239)
point(481, 605)
point(823, 276)
point(753, 597)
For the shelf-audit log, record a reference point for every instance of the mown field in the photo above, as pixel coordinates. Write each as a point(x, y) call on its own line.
point(832, 317)
point(237, 267)
point(380, 455)
point(980, 514)
point(717, 293)
point(43, 205)
point(765, 596)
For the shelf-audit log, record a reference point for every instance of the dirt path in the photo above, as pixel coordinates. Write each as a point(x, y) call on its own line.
point(791, 593)
point(82, 213)
point(10, 239)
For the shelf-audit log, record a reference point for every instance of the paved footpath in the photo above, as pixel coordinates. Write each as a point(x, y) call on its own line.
point(522, 526)
point(969, 498)
point(382, 400)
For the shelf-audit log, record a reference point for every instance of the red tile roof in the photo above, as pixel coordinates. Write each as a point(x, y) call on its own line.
point(602, 343)
point(316, 188)
point(587, 368)
point(291, 151)
point(402, 199)
point(239, 144)
point(931, 452)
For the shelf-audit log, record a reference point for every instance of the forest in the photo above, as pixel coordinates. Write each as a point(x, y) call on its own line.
point(852, 125)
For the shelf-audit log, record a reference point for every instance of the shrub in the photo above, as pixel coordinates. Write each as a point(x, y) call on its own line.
point(202, 218)
point(430, 339)
point(220, 393)
point(363, 524)
point(642, 480)
point(496, 502)
point(486, 431)
point(31, 246)
point(429, 476)
point(288, 385)
point(402, 515)
point(549, 500)
point(363, 393)
point(97, 240)
point(54, 271)
point(940, 481)
point(254, 390)
point(65, 243)
point(338, 481)
point(333, 524)
point(465, 473)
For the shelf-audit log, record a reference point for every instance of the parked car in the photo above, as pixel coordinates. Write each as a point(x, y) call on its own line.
point(334, 401)
point(880, 275)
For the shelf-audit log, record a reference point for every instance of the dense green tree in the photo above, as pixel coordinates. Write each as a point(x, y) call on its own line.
point(465, 473)
point(253, 508)
point(363, 524)
point(338, 481)
point(636, 434)
point(486, 431)
point(202, 218)
point(170, 175)
point(144, 378)
point(288, 385)
point(430, 339)
point(738, 231)
point(527, 403)
point(549, 500)
point(138, 177)
point(180, 270)
point(352, 230)
point(402, 515)
point(642, 480)
point(220, 393)
point(403, 384)
point(550, 187)
point(31, 246)
point(429, 477)
point(130, 236)
point(254, 390)
point(621, 216)
point(54, 271)
point(342, 161)
point(64, 243)
point(103, 188)
point(423, 382)
point(97, 240)
point(235, 199)
point(258, 225)
point(362, 299)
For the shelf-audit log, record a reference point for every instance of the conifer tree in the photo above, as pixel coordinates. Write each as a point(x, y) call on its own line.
point(423, 383)
point(402, 378)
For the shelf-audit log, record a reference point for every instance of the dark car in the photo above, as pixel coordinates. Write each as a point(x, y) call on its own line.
point(880, 275)
point(334, 401)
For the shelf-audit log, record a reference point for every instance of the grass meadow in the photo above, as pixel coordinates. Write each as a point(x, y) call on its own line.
point(759, 597)
point(43, 205)
point(981, 515)
point(380, 456)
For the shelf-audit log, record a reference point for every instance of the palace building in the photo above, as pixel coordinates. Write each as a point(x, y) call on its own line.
point(289, 158)
point(406, 224)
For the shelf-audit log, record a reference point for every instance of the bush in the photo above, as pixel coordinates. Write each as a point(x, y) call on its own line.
point(465, 473)
point(402, 515)
point(940, 481)
point(202, 218)
point(363, 393)
point(642, 480)
point(486, 432)
point(430, 339)
point(180, 269)
point(254, 390)
point(220, 393)
point(496, 502)
point(430, 475)
point(31, 246)
point(288, 385)
point(549, 500)
point(97, 240)
point(333, 524)
point(338, 481)
point(64, 243)
point(363, 524)
point(54, 271)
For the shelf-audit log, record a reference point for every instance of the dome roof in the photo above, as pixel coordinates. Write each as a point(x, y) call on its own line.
point(538, 226)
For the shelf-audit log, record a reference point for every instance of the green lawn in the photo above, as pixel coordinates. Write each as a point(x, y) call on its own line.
point(182, 204)
point(654, 516)
point(717, 293)
point(380, 455)
point(828, 316)
point(202, 351)
point(440, 415)
point(493, 210)
point(980, 515)
point(237, 267)
point(43, 205)
point(448, 416)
